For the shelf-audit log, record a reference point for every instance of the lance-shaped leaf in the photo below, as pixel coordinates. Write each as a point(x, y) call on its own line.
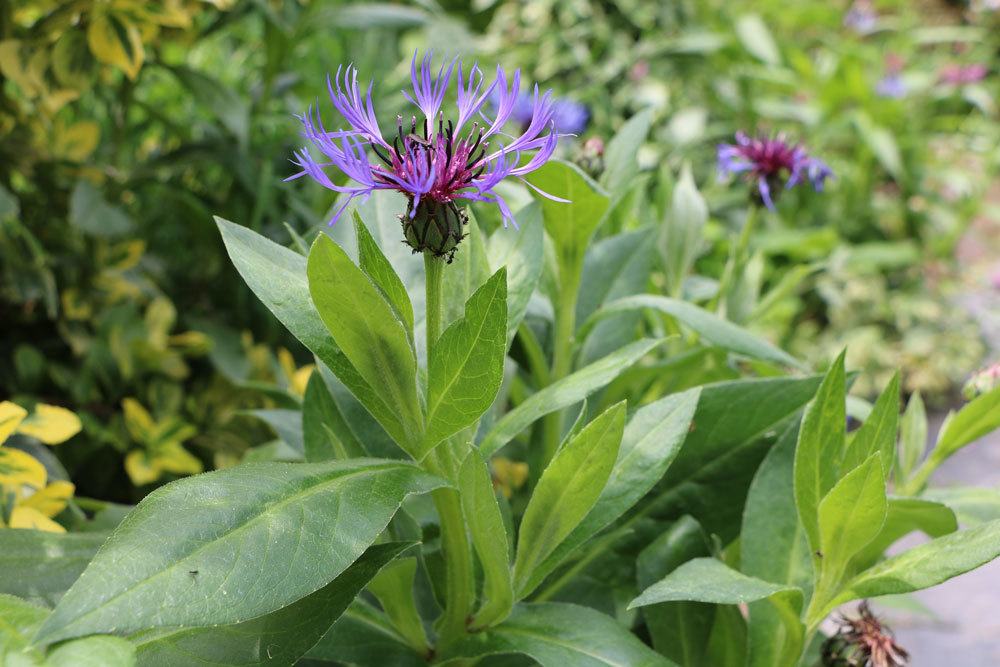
point(651, 440)
point(466, 366)
point(489, 536)
point(380, 271)
point(850, 516)
point(364, 636)
point(904, 516)
point(244, 542)
point(976, 419)
point(277, 276)
point(878, 433)
point(571, 389)
point(710, 580)
point(820, 448)
point(367, 330)
point(923, 566)
point(621, 164)
point(570, 225)
point(522, 254)
point(773, 546)
point(37, 564)
point(325, 432)
point(711, 327)
point(568, 489)
point(275, 639)
point(557, 635)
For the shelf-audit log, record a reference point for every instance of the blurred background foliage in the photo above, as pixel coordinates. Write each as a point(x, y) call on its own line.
point(125, 125)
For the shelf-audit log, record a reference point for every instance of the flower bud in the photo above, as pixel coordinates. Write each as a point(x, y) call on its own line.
point(982, 382)
point(434, 227)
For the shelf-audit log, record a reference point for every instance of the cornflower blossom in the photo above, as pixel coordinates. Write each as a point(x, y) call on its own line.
point(861, 17)
point(771, 163)
point(569, 116)
point(960, 75)
point(891, 85)
point(435, 162)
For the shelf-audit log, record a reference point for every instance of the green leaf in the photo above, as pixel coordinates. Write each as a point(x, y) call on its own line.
point(363, 636)
point(558, 635)
point(466, 366)
point(284, 635)
point(244, 541)
point(734, 412)
point(972, 505)
point(277, 276)
point(904, 516)
point(521, 251)
point(882, 144)
point(231, 109)
point(613, 268)
point(878, 433)
point(924, 566)
point(773, 546)
point(850, 516)
point(19, 620)
point(568, 489)
point(37, 564)
point(679, 630)
point(380, 271)
point(489, 537)
point(710, 580)
point(467, 273)
point(713, 328)
point(820, 448)
point(757, 40)
point(571, 389)
point(93, 215)
point(571, 225)
point(979, 417)
point(651, 440)
point(620, 163)
point(326, 435)
point(680, 234)
point(93, 652)
point(393, 588)
point(912, 438)
point(367, 331)
point(287, 425)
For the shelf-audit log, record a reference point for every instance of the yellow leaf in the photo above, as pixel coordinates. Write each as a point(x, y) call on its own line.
point(76, 142)
point(29, 517)
point(11, 415)
point(114, 40)
point(301, 378)
point(138, 421)
point(19, 470)
point(191, 342)
point(74, 307)
point(174, 458)
point(160, 318)
point(51, 500)
point(51, 424)
point(140, 469)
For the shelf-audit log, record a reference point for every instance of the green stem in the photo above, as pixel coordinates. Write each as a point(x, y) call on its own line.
point(562, 359)
point(918, 481)
point(737, 259)
point(537, 365)
point(433, 271)
point(459, 575)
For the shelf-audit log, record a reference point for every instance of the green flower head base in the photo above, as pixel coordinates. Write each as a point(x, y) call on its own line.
point(433, 161)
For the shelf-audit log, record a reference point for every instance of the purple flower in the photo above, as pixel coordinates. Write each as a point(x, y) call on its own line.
point(861, 17)
point(771, 162)
point(432, 160)
point(891, 86)
point(569, 116)
point(958, 75)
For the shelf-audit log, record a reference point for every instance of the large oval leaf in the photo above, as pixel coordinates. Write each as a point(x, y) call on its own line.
point(234, 544)
point(275, 639)
point(558, 635)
